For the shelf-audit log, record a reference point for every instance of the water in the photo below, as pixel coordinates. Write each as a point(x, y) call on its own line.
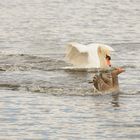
point(39, 99)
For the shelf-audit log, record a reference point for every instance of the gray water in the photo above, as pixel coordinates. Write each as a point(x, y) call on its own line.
point(39, 99)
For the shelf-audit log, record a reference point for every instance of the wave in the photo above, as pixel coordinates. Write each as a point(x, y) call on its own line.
point(60, 90)
point(46, 67)
point(125, 43)
point(129, 66)
point(25, 62)
point(9, 86)
point(51, 90)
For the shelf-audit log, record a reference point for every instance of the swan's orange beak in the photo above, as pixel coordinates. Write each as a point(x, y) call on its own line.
point(108, 63)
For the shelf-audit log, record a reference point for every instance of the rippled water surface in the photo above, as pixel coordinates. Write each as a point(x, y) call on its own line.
point(41, 99)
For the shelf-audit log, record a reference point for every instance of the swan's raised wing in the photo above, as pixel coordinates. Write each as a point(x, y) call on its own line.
point(103, 46)
point(89, 56)
point(77, 54)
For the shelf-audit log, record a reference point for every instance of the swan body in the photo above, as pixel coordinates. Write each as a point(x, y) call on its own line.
point(88, 56)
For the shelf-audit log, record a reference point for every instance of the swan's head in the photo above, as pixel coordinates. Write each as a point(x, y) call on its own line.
point(104, 55)
point(108, 59)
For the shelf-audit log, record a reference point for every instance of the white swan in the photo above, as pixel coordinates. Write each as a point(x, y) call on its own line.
point(88, 56)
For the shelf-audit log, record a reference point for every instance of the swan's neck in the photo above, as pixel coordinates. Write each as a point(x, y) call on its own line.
point(102, 58)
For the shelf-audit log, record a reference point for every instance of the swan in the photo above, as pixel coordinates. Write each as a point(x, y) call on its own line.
point(87, 56)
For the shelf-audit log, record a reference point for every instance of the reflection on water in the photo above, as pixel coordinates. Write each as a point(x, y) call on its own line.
point(41, 116)
point(115, 100)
